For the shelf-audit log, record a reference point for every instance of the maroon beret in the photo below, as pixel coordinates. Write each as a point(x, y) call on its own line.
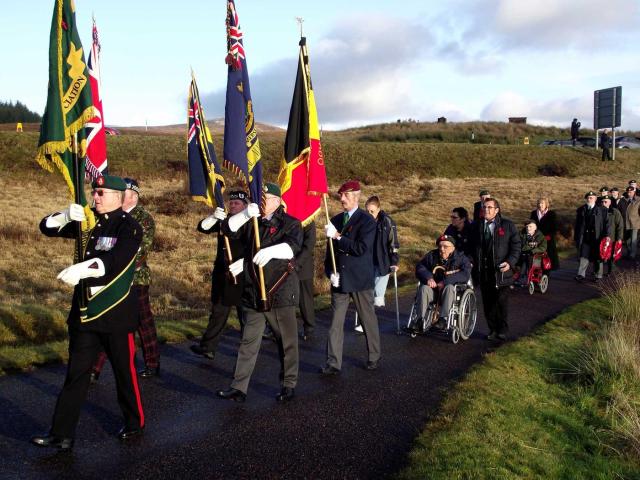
point(350, 186)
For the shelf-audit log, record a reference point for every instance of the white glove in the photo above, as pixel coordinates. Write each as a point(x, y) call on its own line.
point(93, 268)
point(239, 219)
point(281, 251)
point(329, 230)
point(335, 279)
point(74, 212)
point(236, 267)
point(209, 222)
point(219, 214)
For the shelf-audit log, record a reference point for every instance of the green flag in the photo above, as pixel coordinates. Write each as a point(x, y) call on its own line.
point(69, 102)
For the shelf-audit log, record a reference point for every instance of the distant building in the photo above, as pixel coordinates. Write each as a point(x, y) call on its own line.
point(442, 119)
point(517, 119)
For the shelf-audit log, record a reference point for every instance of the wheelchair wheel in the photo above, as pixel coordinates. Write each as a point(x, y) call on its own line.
point(467, 314)
point(544, 283)
point(455, 335)
point(532, 288)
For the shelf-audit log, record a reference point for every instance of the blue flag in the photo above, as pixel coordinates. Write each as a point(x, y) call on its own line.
point(206, 183)
point(241, 146)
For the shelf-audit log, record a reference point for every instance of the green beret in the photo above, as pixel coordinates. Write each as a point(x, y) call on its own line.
point(590, 193)
point(109, 181)
point(272, 188)
point(483, 192)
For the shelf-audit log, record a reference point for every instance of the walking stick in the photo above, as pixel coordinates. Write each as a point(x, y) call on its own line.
point(395, 281)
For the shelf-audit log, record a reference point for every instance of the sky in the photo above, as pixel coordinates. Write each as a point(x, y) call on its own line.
point(371, 61)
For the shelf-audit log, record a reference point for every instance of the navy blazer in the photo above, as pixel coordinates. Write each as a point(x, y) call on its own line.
point(354, 252)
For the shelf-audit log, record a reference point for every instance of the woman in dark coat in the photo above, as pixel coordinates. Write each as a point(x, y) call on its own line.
point(548, 225)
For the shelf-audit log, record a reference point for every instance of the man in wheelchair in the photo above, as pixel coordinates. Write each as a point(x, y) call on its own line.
point(439, 271)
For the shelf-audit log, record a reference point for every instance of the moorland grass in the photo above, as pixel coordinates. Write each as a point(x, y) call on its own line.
point(547, 406)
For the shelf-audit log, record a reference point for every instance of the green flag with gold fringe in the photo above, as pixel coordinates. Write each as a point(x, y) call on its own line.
point(69, 101)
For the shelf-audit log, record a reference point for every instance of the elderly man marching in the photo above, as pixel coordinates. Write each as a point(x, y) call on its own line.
point(352, 233)
point(140, 287)
point(108, 320)
point(280, 241)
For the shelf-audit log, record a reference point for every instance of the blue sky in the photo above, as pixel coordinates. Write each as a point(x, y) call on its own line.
point(371, 61)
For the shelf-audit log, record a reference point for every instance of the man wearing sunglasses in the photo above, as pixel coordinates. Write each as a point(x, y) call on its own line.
point(104, 274)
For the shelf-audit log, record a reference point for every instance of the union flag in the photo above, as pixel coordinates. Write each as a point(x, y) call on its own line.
point(96, 161)
point(303, 177)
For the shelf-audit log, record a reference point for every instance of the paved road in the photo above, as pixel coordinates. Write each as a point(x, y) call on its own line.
point(360, 424)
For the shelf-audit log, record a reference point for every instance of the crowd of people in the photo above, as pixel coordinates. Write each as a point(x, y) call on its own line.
point(264, 269)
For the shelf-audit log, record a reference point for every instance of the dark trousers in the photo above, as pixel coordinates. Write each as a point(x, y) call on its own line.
point(83, 348)
point(306, 305)
point(217, 322)
point(605, 154)
point(495, 302)
point(282, 321)
point(146, 331)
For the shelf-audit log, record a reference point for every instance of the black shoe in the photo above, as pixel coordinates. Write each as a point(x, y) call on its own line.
point(372, 365)
point(53, 441)
point(232, 394)
point(579, 278)
point(286, 394)
point(441, 324)
point(94, 378)
point(492, 336)
point(147, 372)
point(329, 370)
point(198, 350)
point(502, 337)
point(127, 433)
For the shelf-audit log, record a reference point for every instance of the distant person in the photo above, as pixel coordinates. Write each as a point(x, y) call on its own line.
point(575, 131)
point(630, 209)
point(225, 292)
point(591, 227)
point(353, 235)
point(616, 233)
point(497, 250)
point(460, 230)
point(604, 144)
point(478, 211)
point(385, 249)
point(533, 241)
point(614, 193)
point(305, 263)
point(140, 287)
point(107, 266)
point(547, 221)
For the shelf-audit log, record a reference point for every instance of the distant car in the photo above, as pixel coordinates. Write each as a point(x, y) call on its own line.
point(547, 142)
point(627, 142)
point(587, 142)
point(111, 131)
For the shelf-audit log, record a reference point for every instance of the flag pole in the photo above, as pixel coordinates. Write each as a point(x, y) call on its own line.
point(263, 291)
point(330, 240)
point(77, 186)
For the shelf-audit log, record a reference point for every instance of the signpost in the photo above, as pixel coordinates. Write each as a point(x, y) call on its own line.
point(607, 108)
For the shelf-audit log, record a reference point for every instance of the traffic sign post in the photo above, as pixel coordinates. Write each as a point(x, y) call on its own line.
point(607, 109)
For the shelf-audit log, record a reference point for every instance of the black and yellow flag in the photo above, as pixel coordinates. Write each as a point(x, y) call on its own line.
point(69, 102)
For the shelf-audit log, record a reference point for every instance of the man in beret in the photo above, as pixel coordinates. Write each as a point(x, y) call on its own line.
point(478, 210)
point(592, 225)
point(630, 209)
point(103, 275)
point(614, 193)
point(439, 271)
point(497, 247)
point(140, 287)
point(616, 233)
point(226, 290)
point(353, 233)
point(280, 241)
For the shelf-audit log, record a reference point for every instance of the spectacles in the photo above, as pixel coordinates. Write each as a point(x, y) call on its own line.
point(102, 192)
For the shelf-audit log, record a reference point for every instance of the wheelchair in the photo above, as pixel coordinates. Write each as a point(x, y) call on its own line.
point(462, 316)
point(538, 274)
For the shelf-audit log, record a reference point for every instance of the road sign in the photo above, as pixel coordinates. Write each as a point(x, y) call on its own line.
point(607, 106)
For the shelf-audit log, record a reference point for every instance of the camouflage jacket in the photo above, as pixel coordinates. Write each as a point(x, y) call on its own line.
point(142, 275)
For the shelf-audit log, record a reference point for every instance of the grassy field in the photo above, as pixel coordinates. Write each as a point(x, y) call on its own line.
point(418, 184)
point(561, 403)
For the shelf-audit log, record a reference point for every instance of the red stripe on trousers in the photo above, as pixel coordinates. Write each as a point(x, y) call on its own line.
point(134, 377)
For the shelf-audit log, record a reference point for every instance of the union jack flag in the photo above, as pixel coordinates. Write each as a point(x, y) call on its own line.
point(235, 47)
point(96, 164)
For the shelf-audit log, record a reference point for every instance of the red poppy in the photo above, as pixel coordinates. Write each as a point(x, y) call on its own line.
point(272, 230)
point(501, 232)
